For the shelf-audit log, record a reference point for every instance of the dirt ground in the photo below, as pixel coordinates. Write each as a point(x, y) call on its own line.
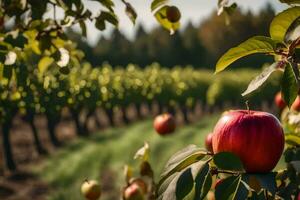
point(25, 185)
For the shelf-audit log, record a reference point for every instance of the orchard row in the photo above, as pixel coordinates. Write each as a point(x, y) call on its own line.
point(84, 88)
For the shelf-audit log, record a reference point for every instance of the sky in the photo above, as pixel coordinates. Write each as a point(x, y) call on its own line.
point(192, 11)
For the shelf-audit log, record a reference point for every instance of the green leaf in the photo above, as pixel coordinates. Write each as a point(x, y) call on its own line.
point(228, 188)
point(160, 16)
point(281, 23)
point(185, 184)
point(130, 12)
point(44, 63)
point(261, 78)
point(110, 17)
point(203, 182)
point(100, 24)
point(289, 86)
point(109, 4)
point(292, 139)
point(182, 159)
point(257, 44)
point(166, 184)
point(143, 153)
point(7, 72)
point(157, 3)
point(228, 161)
point(83, 28)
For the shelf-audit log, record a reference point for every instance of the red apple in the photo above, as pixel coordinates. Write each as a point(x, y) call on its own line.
point(256, 137)
point(91, 190)
point(208, 142)
point(164, 124)
point(296, 104)
point(299, 196)
point(173, 14)
point(279, 101)
point(134, 192)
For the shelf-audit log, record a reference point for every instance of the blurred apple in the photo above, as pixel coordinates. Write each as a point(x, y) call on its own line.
point(164, 124)
point(91, 190)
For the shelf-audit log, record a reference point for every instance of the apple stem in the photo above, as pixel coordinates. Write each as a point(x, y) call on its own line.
point(247, 105)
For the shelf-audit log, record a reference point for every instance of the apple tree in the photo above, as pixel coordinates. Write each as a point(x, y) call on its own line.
point(195, 173)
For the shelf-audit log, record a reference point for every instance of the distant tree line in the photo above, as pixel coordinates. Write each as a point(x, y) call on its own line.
point(198, 46)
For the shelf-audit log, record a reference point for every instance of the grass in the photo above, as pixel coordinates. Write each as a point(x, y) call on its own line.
point(103, 156)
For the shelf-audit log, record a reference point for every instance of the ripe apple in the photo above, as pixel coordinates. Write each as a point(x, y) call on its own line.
point(208, 142)
point(299, 196)
point(134, 192)
point(91, 190)
point(279, 101)
point(296, 104)
point(173, 14)
point(164, 124)
point(255, 137)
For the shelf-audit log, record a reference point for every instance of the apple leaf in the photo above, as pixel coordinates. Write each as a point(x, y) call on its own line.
point(185, 184)
point(160, 16)
point(83, 28)
point(44, 63)
point(257, 44)
point(181, 160)
point(130, 12)
point(228, 161)
point(292, 139)
point(157, 3)
point(166, 184)
point(191, 183)
point(228, 188)
point(109, 4)
point(261, 78)
point(143, 153)
point(281, 23)
point(203, 182)
point(289, 86)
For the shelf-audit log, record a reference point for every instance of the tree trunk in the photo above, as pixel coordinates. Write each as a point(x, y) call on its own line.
point(79, 128)
point(150, 108)
point(184, 111)
point(97, 121)
point(51, 130)
point(85, 124)
point(37, 143)
point(110, 115)
point(9, 162)
point(138, 110)
point(160, 108)
point(124, 115)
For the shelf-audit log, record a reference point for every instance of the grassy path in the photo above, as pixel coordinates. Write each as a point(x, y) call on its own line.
point(103, 155)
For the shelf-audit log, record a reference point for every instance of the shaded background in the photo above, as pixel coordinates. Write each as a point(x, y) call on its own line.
point(203, 38)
